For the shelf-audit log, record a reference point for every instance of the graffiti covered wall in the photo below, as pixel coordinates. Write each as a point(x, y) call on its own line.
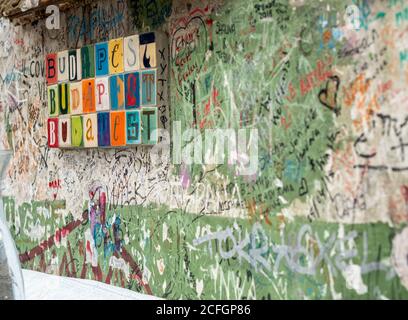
point(324, 216)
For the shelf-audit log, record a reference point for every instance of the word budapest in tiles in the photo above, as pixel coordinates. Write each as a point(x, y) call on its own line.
point(106, 94)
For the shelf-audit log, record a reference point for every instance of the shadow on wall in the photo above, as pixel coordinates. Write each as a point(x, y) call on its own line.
point(11, 279)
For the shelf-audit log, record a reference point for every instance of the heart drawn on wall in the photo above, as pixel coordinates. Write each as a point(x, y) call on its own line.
point(188, 52)
point(328, 96)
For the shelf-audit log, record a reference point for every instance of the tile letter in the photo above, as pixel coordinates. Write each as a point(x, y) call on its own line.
point(75, 97)
point(88, 95)
point(90, 122)
point(148, 88)
point(52, 133)
point(64, 132)
point(102, 94)
point(132, 90)
point(118, 128)
point(131, 55)
point(63, 95)
point(133, 130)
point(101, 59)
point(116, 56)
point(53, 101)
point(76, 131)
point(149, 123)
point(117, 92)
point(51, 68)
point(104, 129)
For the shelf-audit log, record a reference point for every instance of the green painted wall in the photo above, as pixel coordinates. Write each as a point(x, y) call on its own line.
point(186, 256)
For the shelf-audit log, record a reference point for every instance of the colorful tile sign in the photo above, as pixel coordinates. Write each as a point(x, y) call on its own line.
point(104, 95)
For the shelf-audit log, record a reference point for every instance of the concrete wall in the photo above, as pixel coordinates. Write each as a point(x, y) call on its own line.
point(323, 217)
